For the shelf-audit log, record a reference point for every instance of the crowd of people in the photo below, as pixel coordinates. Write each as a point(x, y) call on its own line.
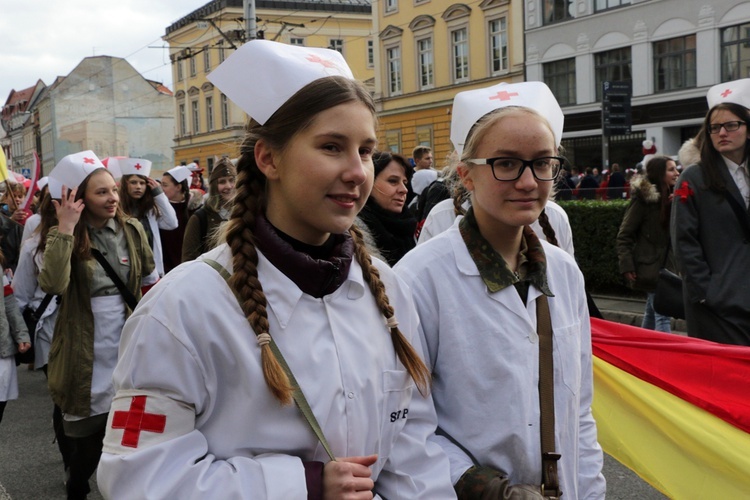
point(327, 320)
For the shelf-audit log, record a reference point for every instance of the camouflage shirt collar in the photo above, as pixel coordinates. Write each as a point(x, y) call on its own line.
point(492, 267)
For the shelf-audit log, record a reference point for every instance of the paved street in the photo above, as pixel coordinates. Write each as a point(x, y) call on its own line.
point(31, 468)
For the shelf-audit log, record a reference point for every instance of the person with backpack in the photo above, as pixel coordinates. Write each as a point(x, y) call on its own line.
point(205, 221)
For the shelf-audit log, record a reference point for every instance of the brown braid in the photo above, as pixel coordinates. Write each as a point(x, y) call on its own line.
point(549, 233)
point(244, 281)
point(405, 351)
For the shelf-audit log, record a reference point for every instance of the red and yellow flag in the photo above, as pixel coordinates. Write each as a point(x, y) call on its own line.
point(676, 410)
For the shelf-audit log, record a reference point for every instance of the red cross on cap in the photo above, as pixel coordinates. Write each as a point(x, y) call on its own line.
point(89, 160)
point(726, 92)
point(136, 420)
point(319, 60)
point(504, 95)
point(137, 166)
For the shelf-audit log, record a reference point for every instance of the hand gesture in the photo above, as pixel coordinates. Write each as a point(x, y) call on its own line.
point(349, 478)
point(68, 210)
point(152, 183)
point(630, 276)
point(20, 215)
point(23, 347)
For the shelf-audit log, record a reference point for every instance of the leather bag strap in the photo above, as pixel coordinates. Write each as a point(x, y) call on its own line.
point(299, 397)
point(127, 295)
point(550, 480)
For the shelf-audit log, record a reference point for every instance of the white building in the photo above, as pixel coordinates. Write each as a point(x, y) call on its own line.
point(671, 51)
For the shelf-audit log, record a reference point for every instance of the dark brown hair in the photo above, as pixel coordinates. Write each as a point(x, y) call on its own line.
point(293, 117)
point(656, 169)
point(47, 219)
point(136, 207)
point(711, 159)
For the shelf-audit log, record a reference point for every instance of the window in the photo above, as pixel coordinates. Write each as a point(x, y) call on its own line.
point(295, 40)
point(180, 76)
point(370, 53)
point(209, 113)
point(192, 66)
point(612, 66)
point(557, 10)
point(393, 56)
point(735, 52)
point(222, 53)
point(224, 111)
point(393, 141)
point(460, 53)
point(206, 60)
point(195, 116)
point(336, 44)
point(560, 77)
point(674, 64)
point(183, 124)
point(424, 60)
point(610, 4)
point(498, 32)
point(391, 6)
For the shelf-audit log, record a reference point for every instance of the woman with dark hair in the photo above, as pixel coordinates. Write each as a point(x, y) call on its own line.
point(143, 198)
point(292, 282)
point(174, 182)
point(710, 223)
point(383, 216)
point(92, 309)
point(643, 239)
point(203, 225)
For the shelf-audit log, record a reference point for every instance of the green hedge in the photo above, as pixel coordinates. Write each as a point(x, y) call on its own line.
point(595, 225)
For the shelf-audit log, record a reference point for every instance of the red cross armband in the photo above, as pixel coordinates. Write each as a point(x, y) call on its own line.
point(140, 419)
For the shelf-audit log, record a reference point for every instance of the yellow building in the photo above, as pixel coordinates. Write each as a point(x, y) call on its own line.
point(207, 124)
point(431, 49)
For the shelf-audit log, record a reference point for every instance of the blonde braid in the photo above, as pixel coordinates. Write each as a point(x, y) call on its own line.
point(244, 280)
point(405, 351)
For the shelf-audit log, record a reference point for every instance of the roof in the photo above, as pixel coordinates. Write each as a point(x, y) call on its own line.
point(354, 6)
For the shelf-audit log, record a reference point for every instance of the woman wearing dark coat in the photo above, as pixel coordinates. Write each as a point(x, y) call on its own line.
point(643, 240)
point(710, 223)
point(384, 217)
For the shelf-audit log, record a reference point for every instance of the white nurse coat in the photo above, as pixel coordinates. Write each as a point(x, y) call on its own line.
point(213, 430)
point(167, 220)
point(484, 353)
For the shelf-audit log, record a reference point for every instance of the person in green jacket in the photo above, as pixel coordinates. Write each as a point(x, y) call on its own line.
point(93, 307)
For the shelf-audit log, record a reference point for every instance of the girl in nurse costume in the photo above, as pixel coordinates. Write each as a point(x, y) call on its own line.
point(92, 311)
point(203, 409)
point(477, 287)
point(143, 198)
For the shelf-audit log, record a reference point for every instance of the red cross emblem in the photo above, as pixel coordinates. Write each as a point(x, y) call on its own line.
point(88, 160)
point(137, 166)
point(726, 92)
point(504, 96)
point(136, 420)
point(684, 192)
point(317, 59)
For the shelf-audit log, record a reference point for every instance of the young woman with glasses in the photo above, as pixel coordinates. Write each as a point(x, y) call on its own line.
point(710, 224)
point(479, 287)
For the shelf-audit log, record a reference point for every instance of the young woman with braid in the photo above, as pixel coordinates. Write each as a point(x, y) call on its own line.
point(485, 289)
point(203, 406)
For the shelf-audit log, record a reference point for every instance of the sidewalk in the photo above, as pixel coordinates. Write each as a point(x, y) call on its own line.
point(629, 311)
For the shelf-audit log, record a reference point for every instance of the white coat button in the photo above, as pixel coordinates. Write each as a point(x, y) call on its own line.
point(350, 395)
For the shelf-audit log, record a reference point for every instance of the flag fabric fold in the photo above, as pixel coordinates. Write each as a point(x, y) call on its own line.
point(674, 409)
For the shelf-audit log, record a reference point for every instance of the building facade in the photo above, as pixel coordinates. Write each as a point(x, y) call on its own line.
point(207, 124)
point(103, 105)
point(20, 124)
point(428, 51)
point(669, 52)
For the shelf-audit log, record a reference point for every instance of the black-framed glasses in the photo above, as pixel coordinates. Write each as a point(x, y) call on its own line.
point(732, 126)
point(507, 168)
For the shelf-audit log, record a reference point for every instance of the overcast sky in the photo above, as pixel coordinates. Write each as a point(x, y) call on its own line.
point(44, 39)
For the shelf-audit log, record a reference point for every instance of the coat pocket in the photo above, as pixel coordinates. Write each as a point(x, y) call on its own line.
point(567, 356)
point(398, 387)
